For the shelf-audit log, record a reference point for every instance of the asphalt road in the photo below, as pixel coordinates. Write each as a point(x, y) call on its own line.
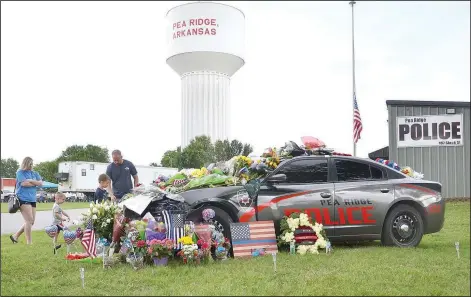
point(12, 222)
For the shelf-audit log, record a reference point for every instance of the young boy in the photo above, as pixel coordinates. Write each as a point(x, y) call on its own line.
point(101, 193)
point(59, 216)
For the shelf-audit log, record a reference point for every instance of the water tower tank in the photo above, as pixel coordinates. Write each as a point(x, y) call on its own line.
point(206, 43)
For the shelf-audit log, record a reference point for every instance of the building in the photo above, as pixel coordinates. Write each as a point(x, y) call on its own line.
point(8, 184)
point(432, 137)
point(206, 43)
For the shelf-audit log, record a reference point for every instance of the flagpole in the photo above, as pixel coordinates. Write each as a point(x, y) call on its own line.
point(352, 3)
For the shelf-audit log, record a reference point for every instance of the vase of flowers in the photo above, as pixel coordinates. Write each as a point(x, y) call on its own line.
point(221, 248)
point(102, 216)
point(189, 252)
point(205, 250)
point(136, 260)
point(160, 251)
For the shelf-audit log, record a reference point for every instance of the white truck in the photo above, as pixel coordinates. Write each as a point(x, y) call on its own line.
point(82, 177)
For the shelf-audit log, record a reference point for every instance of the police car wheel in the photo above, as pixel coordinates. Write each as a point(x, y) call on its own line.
point(403, 227)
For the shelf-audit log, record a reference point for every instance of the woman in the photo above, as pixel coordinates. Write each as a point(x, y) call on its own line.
point(27, 183)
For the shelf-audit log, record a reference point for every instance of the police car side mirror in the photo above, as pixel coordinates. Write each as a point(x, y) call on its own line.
point(277, 178)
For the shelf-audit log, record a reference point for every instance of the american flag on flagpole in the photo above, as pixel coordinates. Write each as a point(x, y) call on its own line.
point(174, 225)
point(88, 240)
point(357, 125)
point(248, 237)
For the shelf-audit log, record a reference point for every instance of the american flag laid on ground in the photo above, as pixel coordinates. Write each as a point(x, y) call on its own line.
point(88, 240)
point(357, 125)
point(248, 237)
point(174, 225)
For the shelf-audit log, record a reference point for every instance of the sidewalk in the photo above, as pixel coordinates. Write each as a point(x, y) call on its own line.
point(12, 222)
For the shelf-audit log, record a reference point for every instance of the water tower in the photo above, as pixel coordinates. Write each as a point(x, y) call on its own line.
point(206, 44)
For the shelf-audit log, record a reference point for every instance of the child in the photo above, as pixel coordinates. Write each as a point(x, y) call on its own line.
point(59, 216)
point(101, 193)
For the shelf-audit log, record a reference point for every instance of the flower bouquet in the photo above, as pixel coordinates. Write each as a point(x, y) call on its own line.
point(160, 251)
point(205, 250)
point(103, 216)
point(221, 247)
point(136, 257)
point(189, 251)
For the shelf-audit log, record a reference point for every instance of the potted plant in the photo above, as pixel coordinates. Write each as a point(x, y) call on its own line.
point(136, 257)
point(160, 251)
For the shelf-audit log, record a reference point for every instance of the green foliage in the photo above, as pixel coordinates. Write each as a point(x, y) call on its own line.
point(89, 153)
point(154, 164)
point(8, 168)
point(199, 152)
point(171, 158)
point(225, 150)
point(48, 170)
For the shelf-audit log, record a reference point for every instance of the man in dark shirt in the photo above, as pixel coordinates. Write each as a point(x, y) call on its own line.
point(120, 172)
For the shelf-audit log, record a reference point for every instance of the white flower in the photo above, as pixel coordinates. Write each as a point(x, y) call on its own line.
point(288, 237)
point(94, 217)
point(321, 243)
point(89, 212)
point(91, 205)
point(107, 207)
point(302, 249)
point(108, 221)
point(95, 210)
point(75, 222)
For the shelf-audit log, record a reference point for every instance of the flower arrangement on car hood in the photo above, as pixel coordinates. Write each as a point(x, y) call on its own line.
point(103, 216)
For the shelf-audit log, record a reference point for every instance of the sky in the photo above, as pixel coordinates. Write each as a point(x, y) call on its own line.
point(96, 73)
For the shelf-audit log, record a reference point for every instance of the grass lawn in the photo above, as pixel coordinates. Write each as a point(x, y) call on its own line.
point(433, 268)
point(48, 206)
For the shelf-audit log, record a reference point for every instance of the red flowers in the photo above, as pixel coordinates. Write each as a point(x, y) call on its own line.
point(141, 244)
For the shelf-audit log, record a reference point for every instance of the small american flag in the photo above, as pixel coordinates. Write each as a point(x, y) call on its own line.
point(247, 237)
point(88, 240)
point(357, 125)
point(174, 225)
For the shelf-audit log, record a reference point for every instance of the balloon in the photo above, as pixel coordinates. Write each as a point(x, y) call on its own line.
point(208, 214)
point(51, 231)
point(69, 236)
point(79, 233)
point(312, 142)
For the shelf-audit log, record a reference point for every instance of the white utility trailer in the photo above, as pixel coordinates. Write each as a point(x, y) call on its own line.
point(82, 177)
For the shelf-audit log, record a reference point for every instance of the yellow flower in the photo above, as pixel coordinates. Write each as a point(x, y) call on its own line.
point(186, 240)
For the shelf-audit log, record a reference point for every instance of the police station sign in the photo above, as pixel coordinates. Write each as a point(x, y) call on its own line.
point(432, 130)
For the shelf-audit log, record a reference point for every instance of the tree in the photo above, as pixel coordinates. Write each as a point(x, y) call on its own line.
point(153, 164)
point(89, 153)
point(9, 167)
point(48, 170)
point(200, 151)
point(171, 158)
point(225, 150)
point(247, 150)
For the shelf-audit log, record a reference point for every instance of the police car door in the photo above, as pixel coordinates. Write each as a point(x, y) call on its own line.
point(362, 196)
point(306, 188)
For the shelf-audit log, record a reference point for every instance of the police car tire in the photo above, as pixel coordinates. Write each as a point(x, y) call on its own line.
point(387, 236)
